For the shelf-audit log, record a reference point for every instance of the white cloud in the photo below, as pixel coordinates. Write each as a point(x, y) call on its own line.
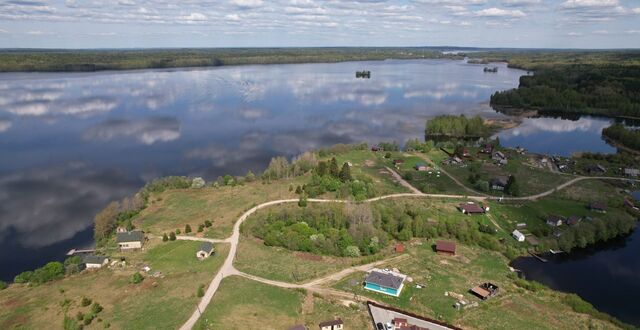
point(5, 125)
point(247, 3)
point(498, 12)
point(589, 3)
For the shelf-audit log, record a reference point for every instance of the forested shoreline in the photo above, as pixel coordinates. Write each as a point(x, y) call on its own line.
point(130, 59)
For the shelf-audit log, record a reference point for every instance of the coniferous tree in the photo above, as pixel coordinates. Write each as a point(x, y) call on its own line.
point(333, 168)
point(345, 173)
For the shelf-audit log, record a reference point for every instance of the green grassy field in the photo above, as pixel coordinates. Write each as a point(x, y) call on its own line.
point(156, 303)
point(245, 304)
point(222, 206)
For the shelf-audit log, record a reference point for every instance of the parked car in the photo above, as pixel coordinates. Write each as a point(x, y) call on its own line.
point(380, 326)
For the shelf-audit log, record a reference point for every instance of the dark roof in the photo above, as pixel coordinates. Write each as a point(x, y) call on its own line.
point(130, 236)
point(471, 208)
point(384, 279)
point(554, 218)
point(91, 259)
point(206, 246)
point(597, 206)
point(420, 164)
point(500, 181)
point(573, 220)
point(446, 246)
point(331, 323)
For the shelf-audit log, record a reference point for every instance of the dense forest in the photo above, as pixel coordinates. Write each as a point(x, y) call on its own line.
point(608, 90)
point(96, 60)
point(627, 137)
point(455, 126)
point(363, 229)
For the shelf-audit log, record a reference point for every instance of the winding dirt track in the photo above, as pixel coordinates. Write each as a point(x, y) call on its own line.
point(228, 269)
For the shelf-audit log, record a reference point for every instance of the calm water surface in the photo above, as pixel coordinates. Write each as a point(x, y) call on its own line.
point(607, 275)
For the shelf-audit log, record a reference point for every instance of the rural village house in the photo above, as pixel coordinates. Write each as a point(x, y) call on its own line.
point(130, 240)
point(385, 282)
point(446, 248)
point(336, 324)
point(206, 250)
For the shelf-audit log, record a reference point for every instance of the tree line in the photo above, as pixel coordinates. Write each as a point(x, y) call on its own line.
point(455, 126)
point(607, 89)
point(627, 137)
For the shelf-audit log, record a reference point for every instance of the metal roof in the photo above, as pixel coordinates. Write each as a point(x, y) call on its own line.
point(386, 280)
point(130, 236)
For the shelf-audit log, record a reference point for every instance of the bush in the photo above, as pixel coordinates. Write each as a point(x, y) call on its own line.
point(178, 231)
point(165, 237)
point(137, 278)
point(207, 223)
point(172, 236)
point(200, 292)
point(85, 302)
point(80, 316)
point(23, 277)
point(197, 183)
point(187, 229)
point(352, 251)
point(200, 228)
point(70, 324)
point(88, 318)
point(3, 285)
point(96, 308)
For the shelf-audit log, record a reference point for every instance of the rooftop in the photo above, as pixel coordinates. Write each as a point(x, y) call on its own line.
point(93, 259)
point(386, 280)
point(471, 208)
point(446, 246)
point(337, 321)
point(130, 236)
point(206, 246)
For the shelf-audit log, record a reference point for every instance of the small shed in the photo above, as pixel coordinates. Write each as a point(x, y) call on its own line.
point(93, 261)
point(632, 172)
point(573, 220)
point(398, 161)
point(518, 236)
point(421, 167)
point(206, 250)
point(467, 208)
point(446, 248)
point(399, 248)
point(485, 291)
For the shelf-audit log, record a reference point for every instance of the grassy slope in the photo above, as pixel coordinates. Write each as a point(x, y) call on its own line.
point(513, 308)
point(244, 304)
point(156, 303)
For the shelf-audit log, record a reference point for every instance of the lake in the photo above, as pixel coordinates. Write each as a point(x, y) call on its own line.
point(72, 142)
point(607, 275)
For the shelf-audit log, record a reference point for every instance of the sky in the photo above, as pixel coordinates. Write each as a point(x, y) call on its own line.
point(319, 23)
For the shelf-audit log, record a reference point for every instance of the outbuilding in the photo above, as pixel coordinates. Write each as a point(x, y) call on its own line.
point(598, 207)
point(485, 291)
point(518, 236)
point(446, 248)
point(130, 240)
point(632, 172)
point(421, 167)
point(93, 261)
point(470, 208)
point(336, 324)
point(205, 251)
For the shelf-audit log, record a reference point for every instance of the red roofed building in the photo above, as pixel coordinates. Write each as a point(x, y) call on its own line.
point(467, 208)
point(399, 248)
point(446, 248)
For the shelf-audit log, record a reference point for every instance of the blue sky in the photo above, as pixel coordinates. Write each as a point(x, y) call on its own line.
point(285, 23)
